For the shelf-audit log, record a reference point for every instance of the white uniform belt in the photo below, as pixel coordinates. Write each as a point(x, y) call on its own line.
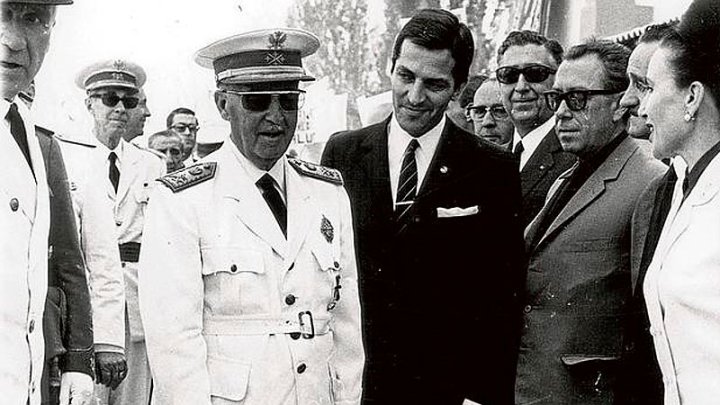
point(237, 325)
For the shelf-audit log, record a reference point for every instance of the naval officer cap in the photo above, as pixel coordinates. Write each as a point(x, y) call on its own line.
point(268, 55)
point(116, 73)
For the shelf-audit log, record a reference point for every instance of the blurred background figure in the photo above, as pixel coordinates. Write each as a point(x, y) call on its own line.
point(183, 122)
point(170, 145)
point(457, 107)
point(489, 117)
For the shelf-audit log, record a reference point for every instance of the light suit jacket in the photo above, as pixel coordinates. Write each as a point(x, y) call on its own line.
point(686, 267)
point(25, 222)
point(138, 173)
point(221, 291)
point(96, 227)
point(578, 284)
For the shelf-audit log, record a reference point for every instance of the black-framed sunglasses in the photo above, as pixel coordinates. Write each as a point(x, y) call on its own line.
point(111, 99)
point(478, 112)
point(533, 73)
point(185, 127)
point(576, 100)
point(258, 101)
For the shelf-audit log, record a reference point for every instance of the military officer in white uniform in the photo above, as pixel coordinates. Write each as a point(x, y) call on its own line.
point(128, 174)
point(25, 31)
point(248, 289)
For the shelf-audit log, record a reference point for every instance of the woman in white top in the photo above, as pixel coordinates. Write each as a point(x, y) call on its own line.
point(682, 285)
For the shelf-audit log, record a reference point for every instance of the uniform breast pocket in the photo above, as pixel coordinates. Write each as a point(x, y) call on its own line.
point(235, 281)
point(142, 192)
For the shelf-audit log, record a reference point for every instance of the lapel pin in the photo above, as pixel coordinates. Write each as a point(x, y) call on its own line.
point(542, 167)
point(326, 229)
point(443, 169)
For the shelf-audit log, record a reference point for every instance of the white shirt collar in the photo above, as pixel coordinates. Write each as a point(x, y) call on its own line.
point(398, 140)
point(119, 151)
point(277, 171)
point(532, 140)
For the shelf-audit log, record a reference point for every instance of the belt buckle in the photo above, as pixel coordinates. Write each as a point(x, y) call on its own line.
point(304, 317)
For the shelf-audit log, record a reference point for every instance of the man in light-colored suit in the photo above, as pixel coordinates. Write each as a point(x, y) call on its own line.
point(578, 282)
point(248, 287)
point(129, 174)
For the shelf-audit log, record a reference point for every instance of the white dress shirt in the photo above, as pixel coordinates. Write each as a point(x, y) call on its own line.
point(398, 140)
point(277, 172)
point(532, 140)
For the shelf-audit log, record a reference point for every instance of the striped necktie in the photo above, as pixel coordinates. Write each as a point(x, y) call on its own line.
point(408, 181)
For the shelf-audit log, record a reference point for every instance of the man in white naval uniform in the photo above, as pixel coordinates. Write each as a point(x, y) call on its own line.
point(248, 288)
point(25, 31)
point(128, 175)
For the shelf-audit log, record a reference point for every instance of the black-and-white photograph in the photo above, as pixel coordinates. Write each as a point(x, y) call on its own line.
point(360, 202)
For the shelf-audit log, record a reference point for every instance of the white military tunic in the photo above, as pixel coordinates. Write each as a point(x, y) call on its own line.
point(223, 294)
point(25, 224)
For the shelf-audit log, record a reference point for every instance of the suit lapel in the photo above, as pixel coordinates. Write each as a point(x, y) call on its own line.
point(706, 189)
point(540, 162)
point(250, 207)
point(128, 172)
point(301, 212)
point(594, 186)
point(444, 167)
point(375, 166)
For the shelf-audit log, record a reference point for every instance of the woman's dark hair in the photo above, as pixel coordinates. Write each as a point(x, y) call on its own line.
point(696, 47)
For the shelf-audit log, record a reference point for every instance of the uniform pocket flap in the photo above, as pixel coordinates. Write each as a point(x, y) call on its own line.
point(228, 378)
point(325, 259)
point(231, 260)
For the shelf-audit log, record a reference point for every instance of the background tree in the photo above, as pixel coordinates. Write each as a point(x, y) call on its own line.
point(344, 57)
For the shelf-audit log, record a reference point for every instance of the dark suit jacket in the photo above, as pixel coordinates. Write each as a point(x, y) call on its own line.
point(440, 313)
point(66, 267)
point(641, 379)
point(578, 285)
point(545, 165)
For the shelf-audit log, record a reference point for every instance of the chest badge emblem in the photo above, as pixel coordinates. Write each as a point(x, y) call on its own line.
point(327, 229)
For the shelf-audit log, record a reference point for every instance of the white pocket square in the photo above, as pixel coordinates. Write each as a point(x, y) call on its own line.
point(457, 211)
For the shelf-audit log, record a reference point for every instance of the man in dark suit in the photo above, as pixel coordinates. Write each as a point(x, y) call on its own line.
point(641, 380)
point(66, 275)
point(438, 240)
point(527, 63)
point(578, 283)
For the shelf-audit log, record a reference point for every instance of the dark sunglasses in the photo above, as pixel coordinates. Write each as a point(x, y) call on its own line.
point(258, 101)
point(111, 99)
point(184, 127)
point(533, 73)
point(478, 112)
point(576, 100)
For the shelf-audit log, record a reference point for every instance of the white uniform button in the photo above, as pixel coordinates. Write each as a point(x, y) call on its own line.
point(14, 204)
point(301, 368)
point(31, 327)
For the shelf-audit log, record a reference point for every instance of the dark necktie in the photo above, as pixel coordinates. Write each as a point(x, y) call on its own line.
point(17, 129)
point(517, 152)
point(274, 201)
point(408, 181)
point(113, 172)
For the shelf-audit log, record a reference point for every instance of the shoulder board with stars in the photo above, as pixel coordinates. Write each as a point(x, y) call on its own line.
point(316, 171)
point(61, 138)
point(189, 176)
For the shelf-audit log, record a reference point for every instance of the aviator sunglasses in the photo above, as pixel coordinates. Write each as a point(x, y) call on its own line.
point(111, 99)
point(533, 73)
point(258, 101)
point(576, 100)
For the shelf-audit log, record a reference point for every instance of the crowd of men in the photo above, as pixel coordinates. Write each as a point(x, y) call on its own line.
point(513, 239)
